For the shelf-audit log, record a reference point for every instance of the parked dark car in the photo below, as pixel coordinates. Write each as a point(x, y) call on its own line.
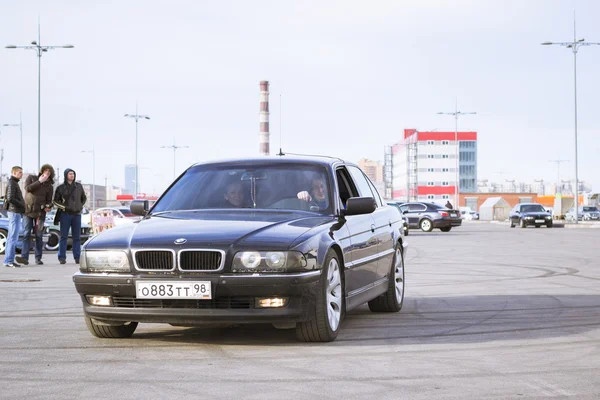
point(53, 233)
point(396, 205)
point(529, 214)
point(196, 258)
point(429, 216)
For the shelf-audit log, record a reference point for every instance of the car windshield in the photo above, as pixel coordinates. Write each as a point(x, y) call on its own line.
point(588, 209)
point(268, 186)
point(532, 208)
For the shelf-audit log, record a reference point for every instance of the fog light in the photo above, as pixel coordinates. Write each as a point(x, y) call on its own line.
point(271, 302)
point(99, 300)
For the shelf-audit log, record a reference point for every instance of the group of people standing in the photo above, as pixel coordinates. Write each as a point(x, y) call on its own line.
point(26, 215)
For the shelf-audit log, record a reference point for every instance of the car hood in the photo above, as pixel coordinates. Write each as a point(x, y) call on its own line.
point(264, 229)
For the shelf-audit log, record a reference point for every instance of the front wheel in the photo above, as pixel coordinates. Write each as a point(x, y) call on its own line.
point(109, 331)
point(523, 224)
point(53, 239)
point(3, 239)
point(391, 301)
point(329, 308)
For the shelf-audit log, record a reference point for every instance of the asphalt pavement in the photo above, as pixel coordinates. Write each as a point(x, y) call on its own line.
point(490, 312)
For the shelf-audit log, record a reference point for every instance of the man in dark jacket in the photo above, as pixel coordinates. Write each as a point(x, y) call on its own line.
point(449, 205)
point(14, 203)
point(69, 198)
point(38, 201)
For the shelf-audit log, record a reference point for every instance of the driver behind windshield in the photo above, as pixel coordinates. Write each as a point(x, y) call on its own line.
point(234, 195)
point(317, 194)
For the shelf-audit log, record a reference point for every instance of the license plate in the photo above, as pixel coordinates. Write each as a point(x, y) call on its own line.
point(173, 290)
point(539, 221)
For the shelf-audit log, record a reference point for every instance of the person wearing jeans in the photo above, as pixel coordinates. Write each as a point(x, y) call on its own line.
point(15, 204)
point(38, 201)
point(72, 223)
point(69, 198)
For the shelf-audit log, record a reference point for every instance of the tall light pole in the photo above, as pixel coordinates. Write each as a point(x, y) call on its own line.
point(93, 151)
point(456, 114)
point(20, 125)
point(174, 147)
point(39, 49)
point(558, 162)
point(137, 117)
point(574, 46)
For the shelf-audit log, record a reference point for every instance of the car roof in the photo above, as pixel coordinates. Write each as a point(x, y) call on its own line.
point(285, 159)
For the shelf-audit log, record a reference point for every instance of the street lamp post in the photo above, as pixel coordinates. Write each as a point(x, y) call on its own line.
point(93, 151)
point(37, 46)
point(174, 147)
point(558, 162)
point(20, 125)
point(456, 114)
point(574, 46)
point(137, 117)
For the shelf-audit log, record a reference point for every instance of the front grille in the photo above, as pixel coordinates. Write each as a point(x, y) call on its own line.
point(203, 260)
point(220, 303)
point(154, 260)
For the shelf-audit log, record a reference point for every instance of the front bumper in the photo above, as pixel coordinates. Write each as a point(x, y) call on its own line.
point(232, 298)
point(535, 221)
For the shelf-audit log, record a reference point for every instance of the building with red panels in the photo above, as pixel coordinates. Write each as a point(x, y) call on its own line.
point(424, 165)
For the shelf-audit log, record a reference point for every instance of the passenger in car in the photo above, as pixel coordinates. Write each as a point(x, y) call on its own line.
point(318, 193)
point(234, 195)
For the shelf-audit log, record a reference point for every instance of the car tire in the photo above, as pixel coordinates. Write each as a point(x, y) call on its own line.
point(329, 309)
point(523, 224)
point(3, 240)
point(392, 300)
point(549, 225)
point(110, 332)
point(446, 229)
point(512, 224)
point(426, 225)
point(53, 239)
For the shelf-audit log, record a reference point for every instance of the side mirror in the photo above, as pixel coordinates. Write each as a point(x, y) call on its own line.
point(139, 207)
point(405, 212)
point(360, 206)
point(517, 212)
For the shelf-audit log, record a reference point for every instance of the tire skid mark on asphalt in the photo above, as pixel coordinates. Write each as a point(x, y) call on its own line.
point(301, 379)
point(458, 334)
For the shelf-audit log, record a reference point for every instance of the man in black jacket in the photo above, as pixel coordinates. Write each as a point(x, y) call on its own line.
point(14, 203)
point(38, 201)
point(70, 199)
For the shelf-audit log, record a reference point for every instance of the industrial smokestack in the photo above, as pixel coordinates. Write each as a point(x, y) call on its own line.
point(263, 141)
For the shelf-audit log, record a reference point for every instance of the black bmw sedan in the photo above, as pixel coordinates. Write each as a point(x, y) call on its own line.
point(430, 216)
point(294, 242)
point(530, 214)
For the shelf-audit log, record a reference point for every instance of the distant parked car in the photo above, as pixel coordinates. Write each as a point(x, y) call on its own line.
point(122, 215)
point(475, 215)
point(527, 214)
point(53, 234)
point(586, 213)
point(404, 217)
point(429, 216)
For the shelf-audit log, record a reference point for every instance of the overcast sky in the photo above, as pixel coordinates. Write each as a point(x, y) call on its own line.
point(351, 75)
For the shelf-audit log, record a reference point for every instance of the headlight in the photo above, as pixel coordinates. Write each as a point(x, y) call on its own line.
point(270, 261)
point(105, 261)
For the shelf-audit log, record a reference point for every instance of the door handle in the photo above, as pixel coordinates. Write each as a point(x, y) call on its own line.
point(372, 228)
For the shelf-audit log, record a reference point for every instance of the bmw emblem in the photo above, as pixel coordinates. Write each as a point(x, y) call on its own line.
point(180, 241)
